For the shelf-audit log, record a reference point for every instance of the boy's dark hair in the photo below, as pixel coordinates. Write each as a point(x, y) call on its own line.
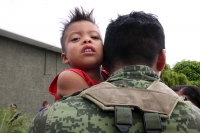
point(133, 39)
point(74, 16)
point(45, 103)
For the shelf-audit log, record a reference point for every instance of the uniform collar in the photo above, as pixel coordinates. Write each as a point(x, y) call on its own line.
point(129, 76)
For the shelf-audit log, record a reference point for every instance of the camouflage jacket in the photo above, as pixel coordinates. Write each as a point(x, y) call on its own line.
point(76, 114)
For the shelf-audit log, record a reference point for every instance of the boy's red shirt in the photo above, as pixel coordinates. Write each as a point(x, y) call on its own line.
point(89, 81)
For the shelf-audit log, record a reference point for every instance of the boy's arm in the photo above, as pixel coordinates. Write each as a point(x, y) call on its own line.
point(70, 82)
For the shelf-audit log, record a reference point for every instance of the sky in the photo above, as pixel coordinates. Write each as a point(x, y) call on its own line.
point(41, 20)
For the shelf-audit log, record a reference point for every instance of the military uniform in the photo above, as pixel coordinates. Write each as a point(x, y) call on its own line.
point(77, 114)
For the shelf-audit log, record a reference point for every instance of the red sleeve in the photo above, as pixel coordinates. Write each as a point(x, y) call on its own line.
point(105, 74)
point(87, 79)
point(53, 85)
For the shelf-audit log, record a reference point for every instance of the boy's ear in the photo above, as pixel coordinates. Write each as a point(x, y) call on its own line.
point(64, 58)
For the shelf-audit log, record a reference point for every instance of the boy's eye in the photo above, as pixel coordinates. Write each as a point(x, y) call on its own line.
point(95, 37)
point(75, 39)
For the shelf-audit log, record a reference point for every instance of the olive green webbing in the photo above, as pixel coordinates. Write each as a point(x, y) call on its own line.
point(152, 123)
point(123, 119)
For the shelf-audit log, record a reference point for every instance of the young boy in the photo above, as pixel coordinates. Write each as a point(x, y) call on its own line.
point(82, 48)
point(45, 105)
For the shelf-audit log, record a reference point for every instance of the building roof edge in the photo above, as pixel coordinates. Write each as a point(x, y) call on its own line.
point(28, 40)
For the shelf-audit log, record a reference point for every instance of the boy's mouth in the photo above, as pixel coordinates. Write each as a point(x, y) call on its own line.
point(87, 49)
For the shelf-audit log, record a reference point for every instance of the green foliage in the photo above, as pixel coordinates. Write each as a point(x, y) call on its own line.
point(184, 72)
point(171, 78)
point(190, 68)
point(197, 83)
point(8, 123)
point(182, 80)
point(167, 67)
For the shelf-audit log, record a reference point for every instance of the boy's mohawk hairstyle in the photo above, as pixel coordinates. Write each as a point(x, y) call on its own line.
point(76, 15)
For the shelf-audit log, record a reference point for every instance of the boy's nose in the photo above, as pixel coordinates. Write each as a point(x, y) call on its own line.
point(87, 41)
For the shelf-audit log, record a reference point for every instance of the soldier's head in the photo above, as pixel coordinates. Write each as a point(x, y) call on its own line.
point(134, 39)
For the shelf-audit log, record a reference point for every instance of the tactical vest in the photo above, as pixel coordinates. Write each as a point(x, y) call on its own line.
point(157, 101)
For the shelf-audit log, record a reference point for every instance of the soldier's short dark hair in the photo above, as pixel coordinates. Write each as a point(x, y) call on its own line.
point(133, 39)
point(78, 14)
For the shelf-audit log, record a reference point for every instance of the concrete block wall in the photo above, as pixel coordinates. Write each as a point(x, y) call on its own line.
point(25, 74)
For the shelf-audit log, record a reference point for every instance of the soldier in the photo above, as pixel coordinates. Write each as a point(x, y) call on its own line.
point(133, 99)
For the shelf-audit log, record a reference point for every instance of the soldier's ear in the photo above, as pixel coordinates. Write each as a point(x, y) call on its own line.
point(161, 60)
point(64, 58)
point(159, 63)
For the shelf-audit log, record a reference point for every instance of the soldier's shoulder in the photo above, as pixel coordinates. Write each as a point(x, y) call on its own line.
point(73, 103)
point(185, 117)
point(186, 109)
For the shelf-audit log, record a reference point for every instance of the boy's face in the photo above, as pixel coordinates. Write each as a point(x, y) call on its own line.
point(83, 45)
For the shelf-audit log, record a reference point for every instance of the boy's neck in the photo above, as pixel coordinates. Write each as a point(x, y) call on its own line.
point(95, 74)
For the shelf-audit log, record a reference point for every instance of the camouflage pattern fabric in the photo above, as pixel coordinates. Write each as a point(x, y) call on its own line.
point(75, 114)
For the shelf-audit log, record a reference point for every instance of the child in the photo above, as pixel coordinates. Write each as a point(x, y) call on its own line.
point(83, 50)
point(45, 105)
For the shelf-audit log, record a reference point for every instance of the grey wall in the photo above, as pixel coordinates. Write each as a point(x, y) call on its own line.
point(25, 74)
